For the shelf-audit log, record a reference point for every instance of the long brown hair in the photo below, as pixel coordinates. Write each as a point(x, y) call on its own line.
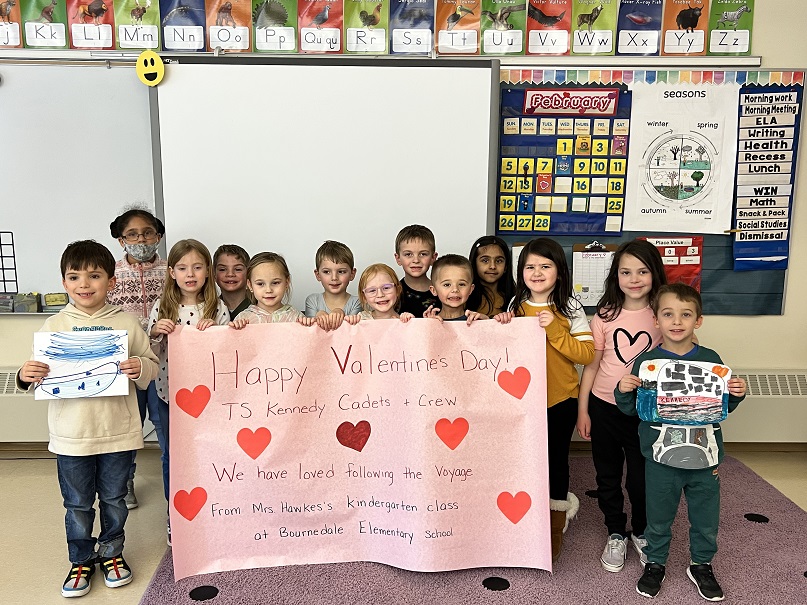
point(610, 304)
point(561, 295)
point(172, 295)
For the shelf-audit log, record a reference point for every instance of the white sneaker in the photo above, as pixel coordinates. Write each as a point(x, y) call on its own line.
point(639, 543)
point(613, 556)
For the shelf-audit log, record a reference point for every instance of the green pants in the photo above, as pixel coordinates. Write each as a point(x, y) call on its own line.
point(702, 491)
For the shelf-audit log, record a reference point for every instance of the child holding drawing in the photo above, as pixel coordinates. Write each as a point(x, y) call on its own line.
point(683, 456)
point(94, 437)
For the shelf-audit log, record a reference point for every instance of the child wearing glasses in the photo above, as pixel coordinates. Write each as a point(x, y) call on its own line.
point(139, 278)
point(334, 270)
point(380, 295)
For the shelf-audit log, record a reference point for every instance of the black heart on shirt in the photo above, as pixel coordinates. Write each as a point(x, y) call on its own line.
point(627, 352)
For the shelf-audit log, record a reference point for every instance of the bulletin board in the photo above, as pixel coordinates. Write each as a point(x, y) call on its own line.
point(684, 172)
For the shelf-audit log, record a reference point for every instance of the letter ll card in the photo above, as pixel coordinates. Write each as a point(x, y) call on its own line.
point(91, 24)
point(683, 392)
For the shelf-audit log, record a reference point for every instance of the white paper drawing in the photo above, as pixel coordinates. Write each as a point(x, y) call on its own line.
point(82, 364)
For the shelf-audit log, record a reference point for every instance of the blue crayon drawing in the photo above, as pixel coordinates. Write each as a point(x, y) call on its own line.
point(82, 364)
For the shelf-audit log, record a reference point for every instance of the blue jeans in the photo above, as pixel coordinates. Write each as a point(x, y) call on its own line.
point(80, 479)
point(164, 444)
point(148, 400)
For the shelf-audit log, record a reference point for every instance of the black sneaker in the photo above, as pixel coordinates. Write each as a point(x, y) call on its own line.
point(77, 583)
point(116, 571)
point(650, 582)
point(704, 579)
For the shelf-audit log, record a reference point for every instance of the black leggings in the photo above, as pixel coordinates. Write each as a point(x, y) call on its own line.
point(561, 419)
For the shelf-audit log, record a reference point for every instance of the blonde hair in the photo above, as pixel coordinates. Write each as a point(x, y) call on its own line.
point(268, 257)
point(371, 272)
point(172, 295)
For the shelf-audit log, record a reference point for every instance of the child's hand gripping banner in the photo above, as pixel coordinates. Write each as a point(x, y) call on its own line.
point(418, 445)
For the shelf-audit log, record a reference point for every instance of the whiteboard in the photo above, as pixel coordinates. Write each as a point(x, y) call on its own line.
point(282, 155)
point(75, 148)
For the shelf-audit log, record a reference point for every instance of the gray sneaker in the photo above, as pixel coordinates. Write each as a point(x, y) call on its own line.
point(639, 543)
point(130, 498)
point(614, 553)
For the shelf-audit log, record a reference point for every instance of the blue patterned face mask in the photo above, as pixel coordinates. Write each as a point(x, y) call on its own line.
point(141, 252)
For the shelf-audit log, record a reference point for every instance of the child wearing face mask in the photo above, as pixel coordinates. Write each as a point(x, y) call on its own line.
point(139, 278)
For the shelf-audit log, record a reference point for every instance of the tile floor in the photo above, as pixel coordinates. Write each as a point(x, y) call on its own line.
point(33, 559)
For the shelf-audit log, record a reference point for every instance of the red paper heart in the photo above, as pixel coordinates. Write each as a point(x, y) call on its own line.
point(514, 507)
point(189, 504)
point(354, 437)
point(516, 383)
point(451, 433)
point(254, 443)
point(193, 403)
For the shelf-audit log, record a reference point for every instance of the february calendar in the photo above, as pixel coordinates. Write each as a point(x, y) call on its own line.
point(563, 161)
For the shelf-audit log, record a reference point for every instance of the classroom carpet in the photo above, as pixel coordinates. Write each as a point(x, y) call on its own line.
point(762, 559)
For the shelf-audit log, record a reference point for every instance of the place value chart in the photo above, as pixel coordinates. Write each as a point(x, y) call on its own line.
point(563, 159)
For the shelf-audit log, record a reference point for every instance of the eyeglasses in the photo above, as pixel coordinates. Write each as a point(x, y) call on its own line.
point(373, 292)
point(132, 237)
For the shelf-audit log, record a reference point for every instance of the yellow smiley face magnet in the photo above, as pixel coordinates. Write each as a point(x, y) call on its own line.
point(150, 69)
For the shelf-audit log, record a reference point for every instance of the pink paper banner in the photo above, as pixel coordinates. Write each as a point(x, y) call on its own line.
point(418, 445)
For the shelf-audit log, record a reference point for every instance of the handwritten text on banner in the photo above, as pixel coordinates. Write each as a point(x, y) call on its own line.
point(418, 445)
